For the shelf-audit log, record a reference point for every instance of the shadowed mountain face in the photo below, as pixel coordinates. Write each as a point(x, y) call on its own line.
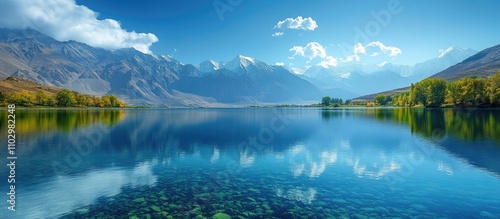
point(483, 64)
point(251, 81)
point(145, 79)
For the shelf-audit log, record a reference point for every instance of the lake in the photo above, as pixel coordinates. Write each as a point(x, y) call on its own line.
point(255, 163)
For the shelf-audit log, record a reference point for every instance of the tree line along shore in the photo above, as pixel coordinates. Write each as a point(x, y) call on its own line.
point(63, 98)
point(436, 92)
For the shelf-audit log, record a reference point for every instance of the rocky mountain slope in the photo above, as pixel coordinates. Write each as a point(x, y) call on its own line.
point(146, 79)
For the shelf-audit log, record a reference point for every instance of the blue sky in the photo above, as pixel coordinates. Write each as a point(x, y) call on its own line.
point(311, 32)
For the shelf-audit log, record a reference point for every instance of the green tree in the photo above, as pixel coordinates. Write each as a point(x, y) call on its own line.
point(42, 98)
point(325, 101)
point(23, 98)
point(105, 102)
point(400, 99)
point(381, 99)
point(65, 98)
point(51, 101)
point(435, 91)
point(416, 94)
point(82, 100)
point(493, 89)
point(452, 92)
point(471, 91)
point(113, 100)
point(430, 92)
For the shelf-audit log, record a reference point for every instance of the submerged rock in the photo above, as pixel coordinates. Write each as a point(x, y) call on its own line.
point(156, 208)
point(221, 216)
point(139, 200)
point(82, 211)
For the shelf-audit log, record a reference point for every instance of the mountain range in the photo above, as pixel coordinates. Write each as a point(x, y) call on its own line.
point(352, 80)
point(148, 79)
point(483, 64)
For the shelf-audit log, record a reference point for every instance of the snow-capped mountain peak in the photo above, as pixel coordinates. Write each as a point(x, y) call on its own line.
point(445, 51)
point(455, 50)
point(166, 58)
point(244, 63)
point(240, 62)
point(208, 66)
point(246, 59)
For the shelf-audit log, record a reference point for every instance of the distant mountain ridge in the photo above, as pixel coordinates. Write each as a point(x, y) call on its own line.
point(143, 79)
point(358, 79)
point(249, 80)
point(483, 64)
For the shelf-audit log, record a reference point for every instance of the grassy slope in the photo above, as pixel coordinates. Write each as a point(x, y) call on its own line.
point(371, 97)
point(13, 84)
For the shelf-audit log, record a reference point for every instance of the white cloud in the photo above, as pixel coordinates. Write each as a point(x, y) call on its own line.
point(298, 71)
point(359, 49)
point(376, 48)
point(65, 20)
point(298, 23)
point(328, 62)
point(315, 53)
point(388, 50)
point(280, 63)
point(353, 57)
point(311, 51)
point(277, 34)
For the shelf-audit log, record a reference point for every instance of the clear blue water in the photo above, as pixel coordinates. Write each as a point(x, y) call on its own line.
point(256, 163)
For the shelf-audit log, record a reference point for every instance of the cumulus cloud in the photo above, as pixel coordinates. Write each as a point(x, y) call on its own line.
point(311, 51)
point(65, 20)
point(298, 23)
point(314, 51)
point(280, 63)
point(353, 57)
point(359, 49)
point(388, 50)
point(277, 34)
point(329, 62)
point(375, 49)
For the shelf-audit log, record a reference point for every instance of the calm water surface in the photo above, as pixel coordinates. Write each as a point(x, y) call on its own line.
point(255, 163)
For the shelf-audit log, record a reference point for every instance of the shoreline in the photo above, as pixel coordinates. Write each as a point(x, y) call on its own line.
point(246, 107)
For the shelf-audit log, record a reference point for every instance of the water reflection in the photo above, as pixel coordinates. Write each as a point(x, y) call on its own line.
point(209, 156)
point(304, 162)
point(44, 121)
